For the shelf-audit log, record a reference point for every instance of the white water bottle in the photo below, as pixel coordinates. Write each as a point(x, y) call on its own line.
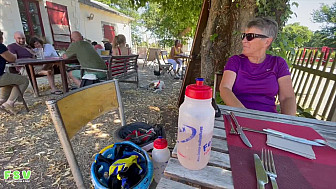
point(195, 126)
point(160, 157)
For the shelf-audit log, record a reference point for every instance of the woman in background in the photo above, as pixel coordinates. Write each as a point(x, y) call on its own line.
point(173, 58)
point(48, 49)
point(119, 46)
point(47, 69)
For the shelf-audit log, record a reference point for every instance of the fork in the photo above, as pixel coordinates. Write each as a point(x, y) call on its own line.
point(232, 131)
point(268, 161)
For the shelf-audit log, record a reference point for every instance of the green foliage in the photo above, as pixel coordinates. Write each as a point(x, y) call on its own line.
point(213, 37)
point(326, 15)
point(280, 11)
point(172, 19)
point(299, 35)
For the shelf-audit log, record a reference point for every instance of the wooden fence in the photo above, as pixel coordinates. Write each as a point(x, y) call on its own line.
point(314, 82)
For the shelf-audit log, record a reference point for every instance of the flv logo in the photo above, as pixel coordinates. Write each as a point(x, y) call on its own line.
point(17, 176)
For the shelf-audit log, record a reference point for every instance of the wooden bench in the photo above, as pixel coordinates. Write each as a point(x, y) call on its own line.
point(121, 68)
point(314, 83)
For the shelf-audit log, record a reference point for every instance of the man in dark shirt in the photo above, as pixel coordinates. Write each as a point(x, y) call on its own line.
point(107, 45)
point(8, 94)
point(24, 51)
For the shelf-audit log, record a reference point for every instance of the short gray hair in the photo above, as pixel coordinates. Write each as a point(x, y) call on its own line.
point(268, 26)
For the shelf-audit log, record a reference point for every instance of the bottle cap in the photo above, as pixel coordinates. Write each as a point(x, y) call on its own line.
point(198, 90)
point(160, 143)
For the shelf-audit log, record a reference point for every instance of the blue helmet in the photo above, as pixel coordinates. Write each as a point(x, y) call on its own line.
point(122, 165)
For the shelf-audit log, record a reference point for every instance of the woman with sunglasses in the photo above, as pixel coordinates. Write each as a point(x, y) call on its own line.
point(253, 79)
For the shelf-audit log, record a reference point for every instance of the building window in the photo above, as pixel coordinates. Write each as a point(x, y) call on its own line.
point(108, 31)
point(31, 18)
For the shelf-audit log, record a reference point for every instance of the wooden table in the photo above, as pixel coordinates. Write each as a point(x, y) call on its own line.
point(218, 174)
point(29, 63)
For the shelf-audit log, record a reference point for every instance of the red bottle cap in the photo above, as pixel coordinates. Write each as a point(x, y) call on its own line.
point(160, 143)
point(198, 90)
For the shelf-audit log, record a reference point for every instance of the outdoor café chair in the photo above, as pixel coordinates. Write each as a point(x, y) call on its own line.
point(74, 110)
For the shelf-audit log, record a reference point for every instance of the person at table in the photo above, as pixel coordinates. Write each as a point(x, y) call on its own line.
point(253, 79)
point(8, 94)
point(86, 55)
point(48, 49)
point(119, 46)
point(173, 59)
point(107, 45)
point(23, 51)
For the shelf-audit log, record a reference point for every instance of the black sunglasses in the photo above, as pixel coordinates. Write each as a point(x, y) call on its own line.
point(251, 36)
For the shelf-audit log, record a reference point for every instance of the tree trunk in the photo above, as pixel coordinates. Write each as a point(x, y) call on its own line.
point(221, 37)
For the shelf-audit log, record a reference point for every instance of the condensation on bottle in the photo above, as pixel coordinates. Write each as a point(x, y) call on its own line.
point(195, 126)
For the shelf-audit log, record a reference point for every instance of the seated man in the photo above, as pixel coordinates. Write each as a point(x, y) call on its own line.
point(23, 51)
point(8, 94)
point(86, 55)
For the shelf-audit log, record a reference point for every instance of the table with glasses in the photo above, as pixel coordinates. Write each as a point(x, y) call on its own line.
point(231, 162)
point(29, 64)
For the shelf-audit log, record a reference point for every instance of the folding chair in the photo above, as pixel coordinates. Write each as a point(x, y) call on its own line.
point(150, 56)
point(163, 67)
point(73, 111)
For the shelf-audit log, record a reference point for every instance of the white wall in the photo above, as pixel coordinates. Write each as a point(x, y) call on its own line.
point(10, 20)
point(92, 29)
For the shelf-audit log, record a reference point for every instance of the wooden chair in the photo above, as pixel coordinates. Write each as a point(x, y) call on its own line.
point(73, 111)
point(20, 94)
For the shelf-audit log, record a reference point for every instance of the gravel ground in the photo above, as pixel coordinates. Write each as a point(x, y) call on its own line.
point(28, 141)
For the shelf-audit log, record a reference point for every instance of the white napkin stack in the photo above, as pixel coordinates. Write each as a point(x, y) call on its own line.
point(298, 148)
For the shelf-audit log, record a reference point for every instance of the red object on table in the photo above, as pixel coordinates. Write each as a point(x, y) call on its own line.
point(293, 171)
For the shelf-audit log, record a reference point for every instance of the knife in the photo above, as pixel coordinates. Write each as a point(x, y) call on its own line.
point(292, 138)
point(262, 177)
point(240, 131)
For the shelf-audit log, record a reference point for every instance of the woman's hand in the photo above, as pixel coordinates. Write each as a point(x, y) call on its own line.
point(225, 89)
point(287, 96)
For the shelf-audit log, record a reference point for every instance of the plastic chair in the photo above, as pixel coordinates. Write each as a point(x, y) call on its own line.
point(73, 111)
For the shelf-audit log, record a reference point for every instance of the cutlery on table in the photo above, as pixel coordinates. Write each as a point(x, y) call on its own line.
point(262, 178)
point(315, 142)
point(240, 131)
point(268, 162)
point(232, 131)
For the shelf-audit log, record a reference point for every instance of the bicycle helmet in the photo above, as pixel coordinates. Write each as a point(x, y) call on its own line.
point(122, 165)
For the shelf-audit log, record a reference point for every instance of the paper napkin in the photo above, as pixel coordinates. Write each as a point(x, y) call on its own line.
point(301, 149)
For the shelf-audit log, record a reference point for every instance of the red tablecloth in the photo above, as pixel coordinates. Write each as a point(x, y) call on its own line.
point(293, 171)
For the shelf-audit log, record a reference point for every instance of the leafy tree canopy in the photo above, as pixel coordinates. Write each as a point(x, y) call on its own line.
point(326, 15)
point(297, 34)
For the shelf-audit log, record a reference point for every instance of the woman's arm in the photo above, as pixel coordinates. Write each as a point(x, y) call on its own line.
point(8, 56)
point(172, 53)
point(286, 96)
point(225, 89)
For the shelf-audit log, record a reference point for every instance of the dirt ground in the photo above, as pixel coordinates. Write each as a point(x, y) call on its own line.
point(28, 141)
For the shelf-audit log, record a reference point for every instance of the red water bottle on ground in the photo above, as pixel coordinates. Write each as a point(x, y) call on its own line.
point(195, 126)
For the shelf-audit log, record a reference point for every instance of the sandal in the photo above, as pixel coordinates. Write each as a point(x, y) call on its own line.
point(56, 92)
point(9, 109)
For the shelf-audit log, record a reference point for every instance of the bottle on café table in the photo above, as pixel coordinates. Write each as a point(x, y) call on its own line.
point(160, 157)
point(195, 126)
